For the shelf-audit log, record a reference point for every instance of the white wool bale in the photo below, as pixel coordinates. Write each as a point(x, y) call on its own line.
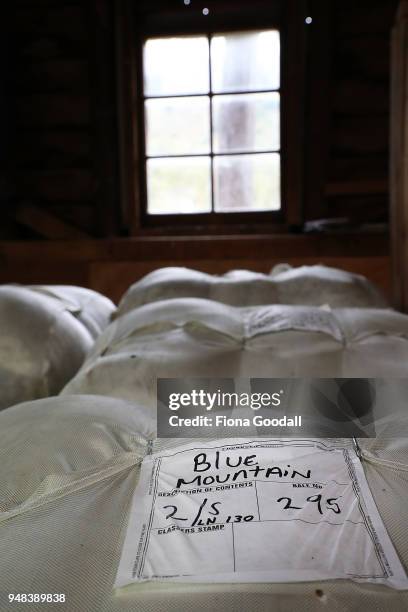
point(68, 470)
point(41, 345)
point(318, 284)
point(310, 285)
point(192, 337)
point(48, 444)
point(93, 309)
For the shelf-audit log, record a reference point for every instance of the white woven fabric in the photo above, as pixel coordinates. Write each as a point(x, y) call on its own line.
point(93, 309)
point(202, 338)
point(46, 333)
point(68, 470)
point(306, 285)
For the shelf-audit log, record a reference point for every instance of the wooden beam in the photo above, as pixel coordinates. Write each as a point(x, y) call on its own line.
point(110, 266)
point(399, 158)
point(183, 248)
point(47, 224)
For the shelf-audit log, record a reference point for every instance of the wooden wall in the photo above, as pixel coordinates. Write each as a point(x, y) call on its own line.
point(110, 266)
point(63, 159)
point(359, 151)
point(349, 110)
point(399, 159)
point(64, 121)
point(59, 178)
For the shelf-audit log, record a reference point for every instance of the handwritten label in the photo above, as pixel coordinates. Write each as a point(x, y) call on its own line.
point(256, 511)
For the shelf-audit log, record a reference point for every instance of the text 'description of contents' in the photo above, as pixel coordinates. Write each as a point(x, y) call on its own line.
point(256, 511)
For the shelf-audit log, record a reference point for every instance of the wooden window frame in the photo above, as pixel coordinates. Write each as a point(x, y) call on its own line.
point(132, 28)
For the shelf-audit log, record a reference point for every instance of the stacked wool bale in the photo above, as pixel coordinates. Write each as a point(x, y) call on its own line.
point(70, 465)
point(305, 285)
point(68, 468)
point(329, 324)
point(180, 322)
point(91, 308)
point(192, 337)
point(68, 471)
point(46, 333)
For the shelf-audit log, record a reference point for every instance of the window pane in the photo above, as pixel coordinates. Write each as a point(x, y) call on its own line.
point(248, 122)
point(177, 126)
point(247, 182)
point(174, 66)
point(177, 186)
point(246, 61)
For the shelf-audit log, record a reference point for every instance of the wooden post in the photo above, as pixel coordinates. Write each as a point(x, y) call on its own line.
point(399, 158)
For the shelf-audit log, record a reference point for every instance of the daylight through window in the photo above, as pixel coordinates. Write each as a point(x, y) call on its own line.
point(212, 120)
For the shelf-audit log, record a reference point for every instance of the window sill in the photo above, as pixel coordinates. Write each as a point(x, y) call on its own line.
point(182, 249)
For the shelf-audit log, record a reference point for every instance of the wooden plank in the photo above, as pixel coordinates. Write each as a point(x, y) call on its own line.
point(103, 115)
point(52, 150)
point(145, 7)
point(46, 224)
point(318, 109)
point(56, 75)
point(360, 135)
point(257, 247)
point(361, 208)
point(7, 72)
point(61, 21)
point(52, 110)
point(81, 215)
point(51, 274)
point(9, 227)
point(114, 278)
point(170, 16)
point(21, 4)
point(48, 47)
point(368, 186)
point(366, 58)
point(292, 116)
point(129, 152)
point(29, 253)
point(365, 16)
point(43, 31)
point(56, 185)
point(399, 158)
point(357, 97)
point(358, 168)
point(179, 248)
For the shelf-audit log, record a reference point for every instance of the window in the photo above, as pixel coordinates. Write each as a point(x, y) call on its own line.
point(212, 123)
point(211, 116)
